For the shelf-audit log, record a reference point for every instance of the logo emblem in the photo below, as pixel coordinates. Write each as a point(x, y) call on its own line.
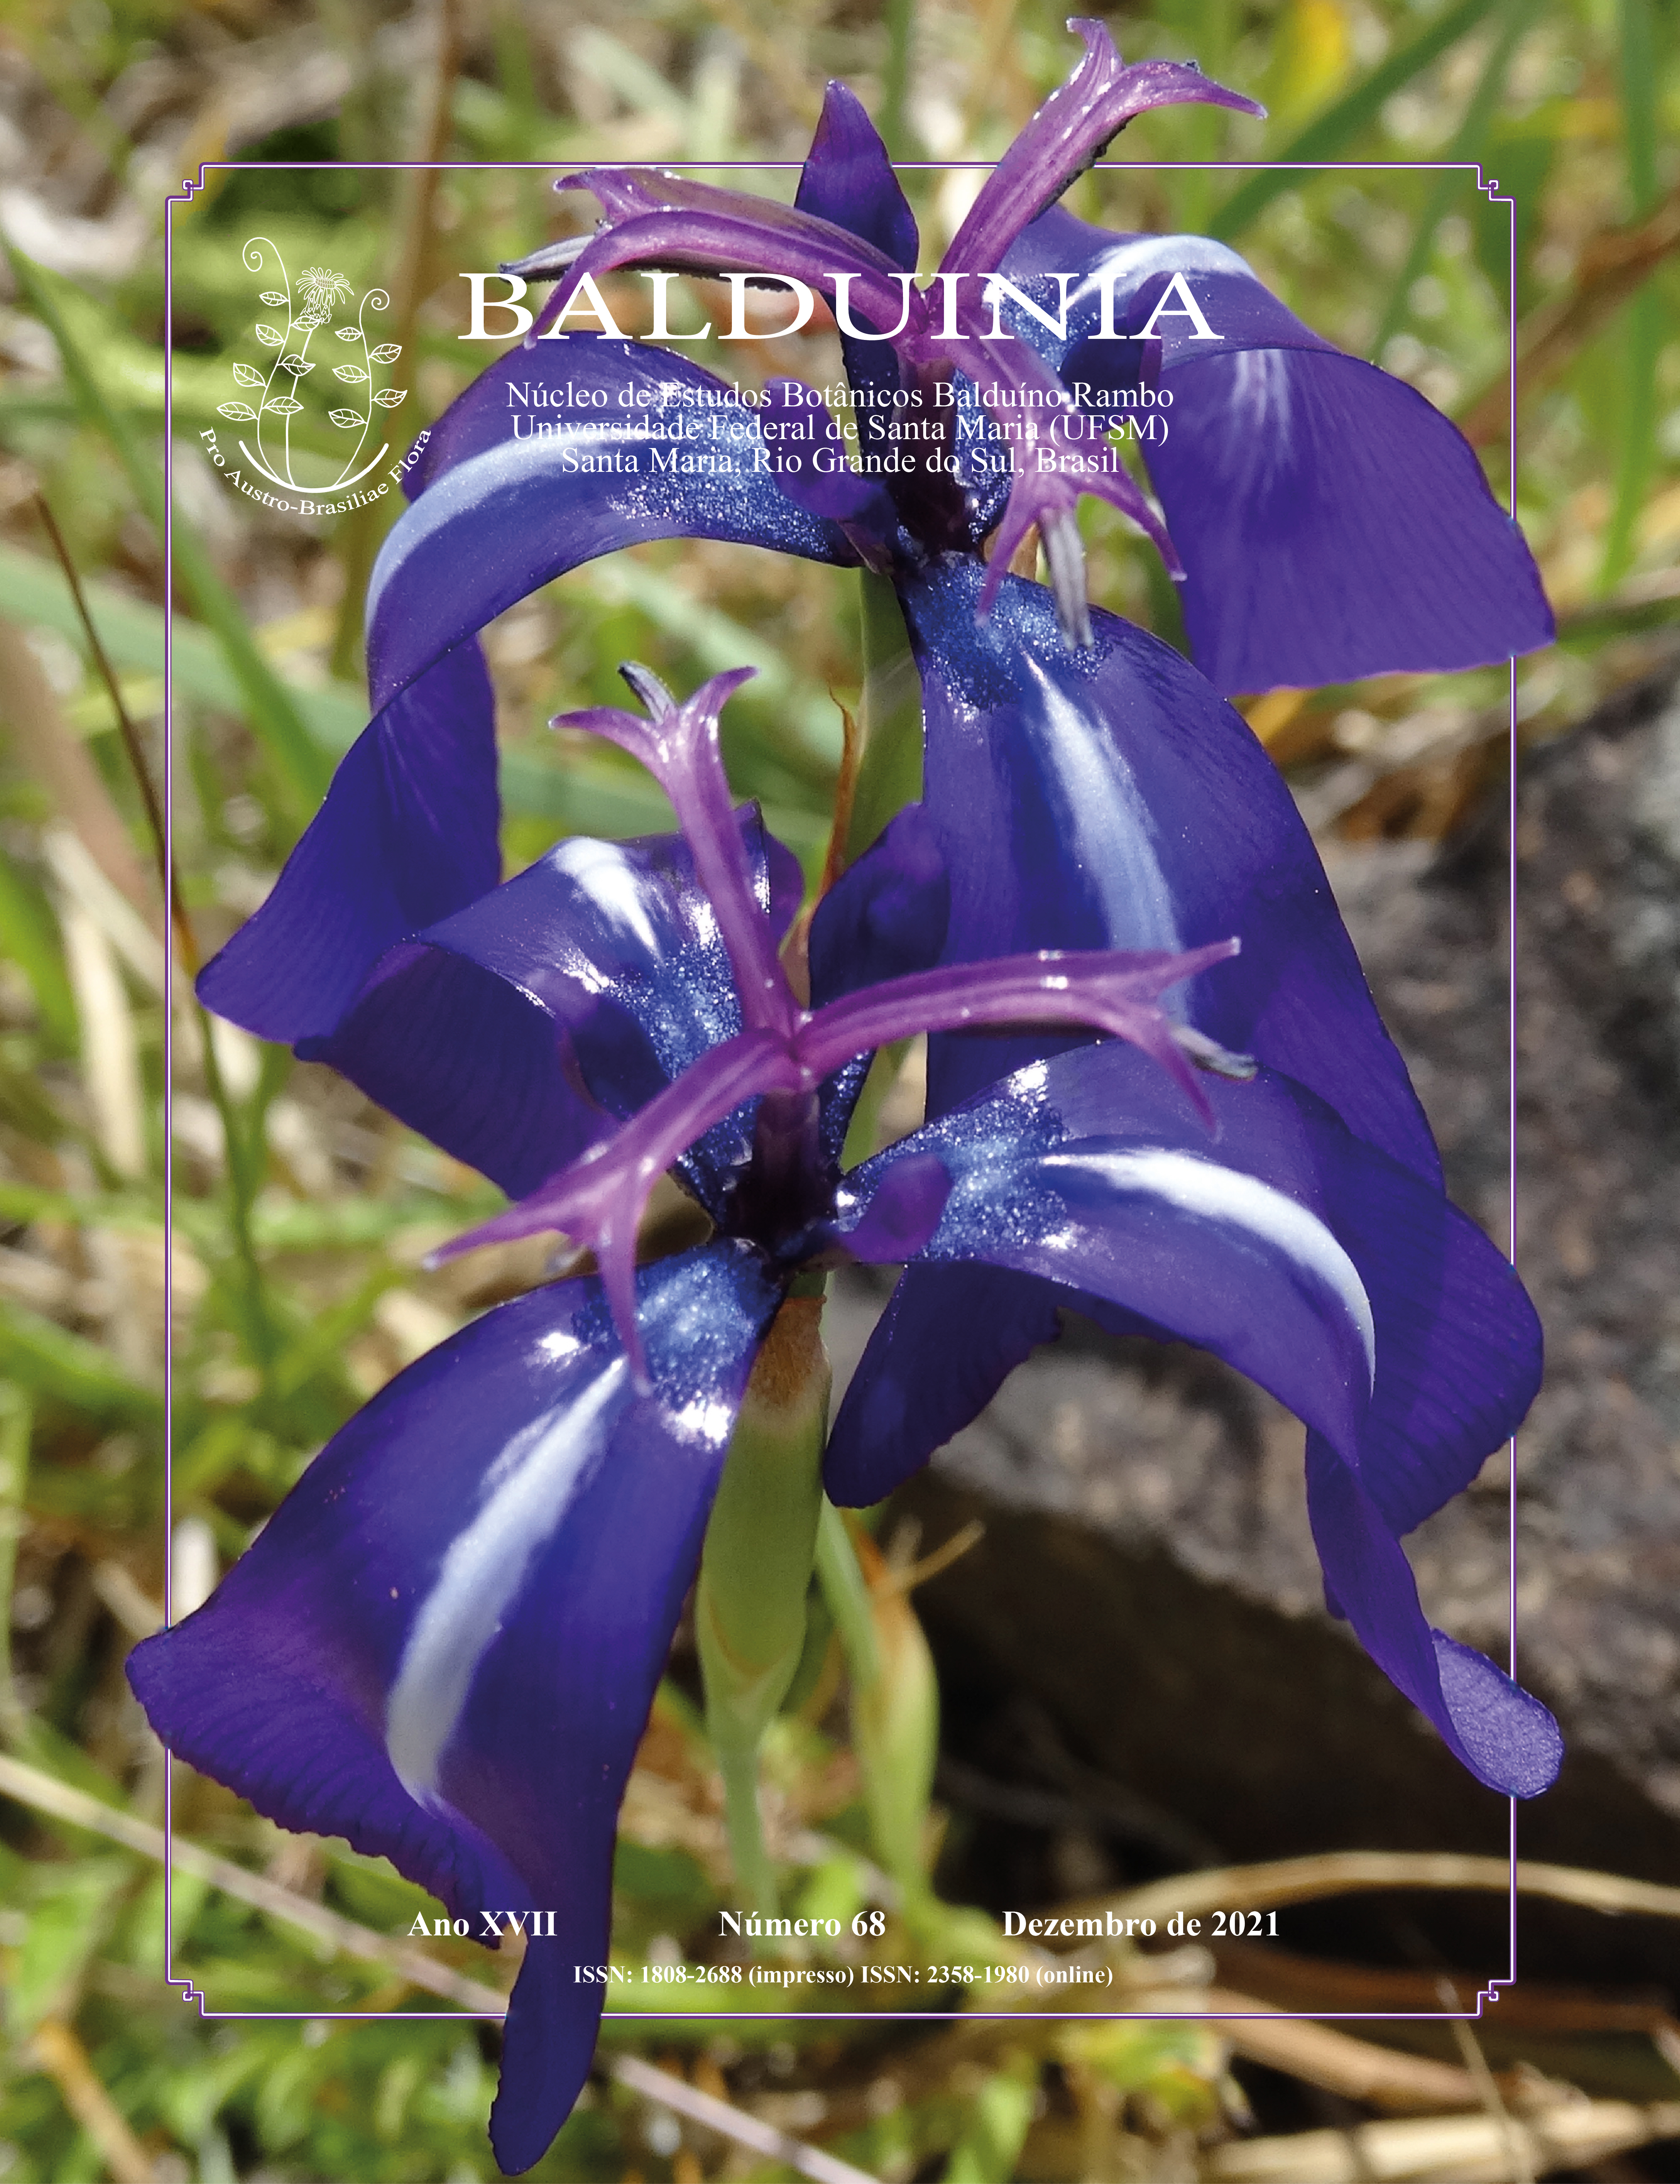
point(280, 389)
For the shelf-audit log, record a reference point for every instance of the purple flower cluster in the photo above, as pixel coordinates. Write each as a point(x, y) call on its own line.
point(1159, 1091)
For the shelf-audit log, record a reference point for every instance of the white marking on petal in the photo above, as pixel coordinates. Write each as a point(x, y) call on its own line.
point(1133, 261)
point(1102, 816)
point(1258, 395)
point(527, 1494)
point(515, 462)
point(602, 871)
point(1225, 1194)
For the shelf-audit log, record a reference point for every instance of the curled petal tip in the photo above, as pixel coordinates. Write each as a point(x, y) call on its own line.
point(657, 700)
point(1094, 31)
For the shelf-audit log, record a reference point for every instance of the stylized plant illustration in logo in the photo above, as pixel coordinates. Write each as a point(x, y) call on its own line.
point(320, 292)
point(322, 289)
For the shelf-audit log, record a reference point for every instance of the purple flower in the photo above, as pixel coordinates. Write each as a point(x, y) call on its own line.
point(1089, 795)
point(444, 1645)
point(1095, 825)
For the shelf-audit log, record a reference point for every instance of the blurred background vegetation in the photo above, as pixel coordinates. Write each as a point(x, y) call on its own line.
point(291, 1287)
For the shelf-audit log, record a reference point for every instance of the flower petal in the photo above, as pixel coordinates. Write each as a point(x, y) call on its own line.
point(796, 419)
point(600, 1199)
point(496, 515)
point(1506, 1739)
point(848, 179)
point(949, 1337)
point(1333, 525)
point(1324, 1271)
point(517, 1032)
point(472, 1063)
point(1332, 522)
point(444, 1644)
point(886, 916)
point(1227, 1245)
point(406, 835)
point(1107, 799)
point(1091, 1170)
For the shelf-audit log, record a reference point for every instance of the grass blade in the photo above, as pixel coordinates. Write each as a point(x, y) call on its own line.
point(39, 1354)
point(1471, 130)
point(1636, 457)
point(1326, 136)
point(302, 765)
point(27, 936)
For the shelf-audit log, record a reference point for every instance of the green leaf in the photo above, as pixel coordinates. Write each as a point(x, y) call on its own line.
point(54, 1753)
point(807, 720)
point(374, 1893)
point(26, 1107)
point(326, 1337)
point(1639, 88)
point(668, 1883)
point(30, 940)
point(576, 800)
point(33, 590)
point(70, 1916)
point(24, 1201)
point(51, 1362)
point(890, 774)
point(1647, 326)
point(1335, 128)
point(998, 2124)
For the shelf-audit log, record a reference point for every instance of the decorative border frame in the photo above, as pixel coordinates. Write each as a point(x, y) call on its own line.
point(1497, 1983)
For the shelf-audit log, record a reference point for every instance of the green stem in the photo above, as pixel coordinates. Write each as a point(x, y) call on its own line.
point(755, 1572)
point(844, 1588)
point(755, 1875)
point(895, 1711)
point(895, 130)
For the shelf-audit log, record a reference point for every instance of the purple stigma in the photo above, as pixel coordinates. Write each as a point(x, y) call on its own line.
point(666, 222)
point(784, 1053)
